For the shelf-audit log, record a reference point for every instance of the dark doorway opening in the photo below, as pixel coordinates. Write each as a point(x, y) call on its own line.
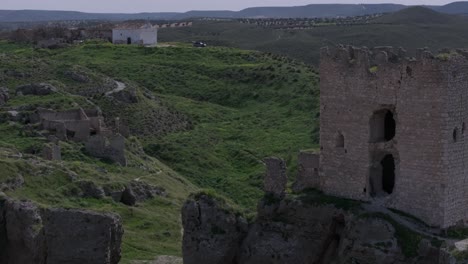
point(388, 174)
point(382, 176)
point(382, 126)
point(389, 126)
point(129, 41)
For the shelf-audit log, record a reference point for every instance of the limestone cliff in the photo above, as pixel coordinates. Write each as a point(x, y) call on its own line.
point(306, 228)
point(29, 234)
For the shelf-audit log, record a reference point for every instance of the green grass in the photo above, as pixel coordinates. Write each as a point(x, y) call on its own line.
point(304, 45)
point(211, 115)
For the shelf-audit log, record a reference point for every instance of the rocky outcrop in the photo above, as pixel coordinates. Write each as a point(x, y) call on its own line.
point(29, 234)
point(77, 236)
point(212, 234)
point(36, 89)
point(88, 189)
point(138, 191)
point(301, 229)
point(24, 230)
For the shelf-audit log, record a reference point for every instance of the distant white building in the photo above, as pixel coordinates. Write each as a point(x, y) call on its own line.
point(142, 35)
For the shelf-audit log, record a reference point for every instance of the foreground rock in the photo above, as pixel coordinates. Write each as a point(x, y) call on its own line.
point(301, 229)
point(29, 234)
point(36, 89)
point(211, 233)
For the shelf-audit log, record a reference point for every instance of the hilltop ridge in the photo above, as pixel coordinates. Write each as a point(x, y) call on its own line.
point(309, 11)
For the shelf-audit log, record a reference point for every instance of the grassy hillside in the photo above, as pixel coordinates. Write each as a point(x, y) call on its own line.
point(206, 116)
point(411, 28)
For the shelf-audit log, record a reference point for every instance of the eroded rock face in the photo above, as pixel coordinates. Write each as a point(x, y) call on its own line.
point(290, 232)
point(212, 235)
point(77, 236)
point(138, 191)
point(24, 228)
point(296, 230)
point(29, 234)
point(36, 89)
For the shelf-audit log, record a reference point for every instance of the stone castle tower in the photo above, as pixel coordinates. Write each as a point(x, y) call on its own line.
point(393, 130)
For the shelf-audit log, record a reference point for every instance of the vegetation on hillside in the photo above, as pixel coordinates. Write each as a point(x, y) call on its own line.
point(225, 110)
point(411, 29)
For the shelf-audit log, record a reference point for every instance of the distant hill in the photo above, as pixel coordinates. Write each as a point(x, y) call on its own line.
point(418, 15)
point(309, 11)
point(410, 28)
point(454, 8)
point(44, 15)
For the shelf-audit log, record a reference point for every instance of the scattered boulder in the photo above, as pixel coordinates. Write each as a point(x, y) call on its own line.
point(212, 234)
point(114, 191)
point(275, 179)
point(128, 95)
point(78, 77)
point(29, 234)
point(138, 191)
point(4, 95)
point(16, 74)
point(89, 189)
point(36, 89)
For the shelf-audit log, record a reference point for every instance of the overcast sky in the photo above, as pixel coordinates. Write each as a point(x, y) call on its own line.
point(131, 6)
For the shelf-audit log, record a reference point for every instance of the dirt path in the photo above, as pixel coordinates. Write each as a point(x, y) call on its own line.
point(120, 86)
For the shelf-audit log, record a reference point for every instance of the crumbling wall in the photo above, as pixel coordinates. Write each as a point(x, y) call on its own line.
point(355, 84)
point(112, 147)
point(275, 179)
point(308, 171)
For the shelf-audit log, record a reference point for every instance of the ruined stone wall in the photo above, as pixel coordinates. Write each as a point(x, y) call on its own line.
point(356, 83)
point(455, 155)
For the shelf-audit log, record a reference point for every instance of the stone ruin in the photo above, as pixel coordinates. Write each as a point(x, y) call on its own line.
point(85, 126)
point(276, 179)
point(393, 131)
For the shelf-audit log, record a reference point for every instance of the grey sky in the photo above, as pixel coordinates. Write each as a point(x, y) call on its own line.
point(130, 6)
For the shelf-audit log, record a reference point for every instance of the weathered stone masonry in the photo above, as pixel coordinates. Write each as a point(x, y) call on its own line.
point(393, 129)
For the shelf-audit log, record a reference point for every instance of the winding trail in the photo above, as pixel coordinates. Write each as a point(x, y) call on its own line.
point(120, 86)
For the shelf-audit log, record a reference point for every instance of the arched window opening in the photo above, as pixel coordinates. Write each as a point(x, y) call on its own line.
point(382, 126)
